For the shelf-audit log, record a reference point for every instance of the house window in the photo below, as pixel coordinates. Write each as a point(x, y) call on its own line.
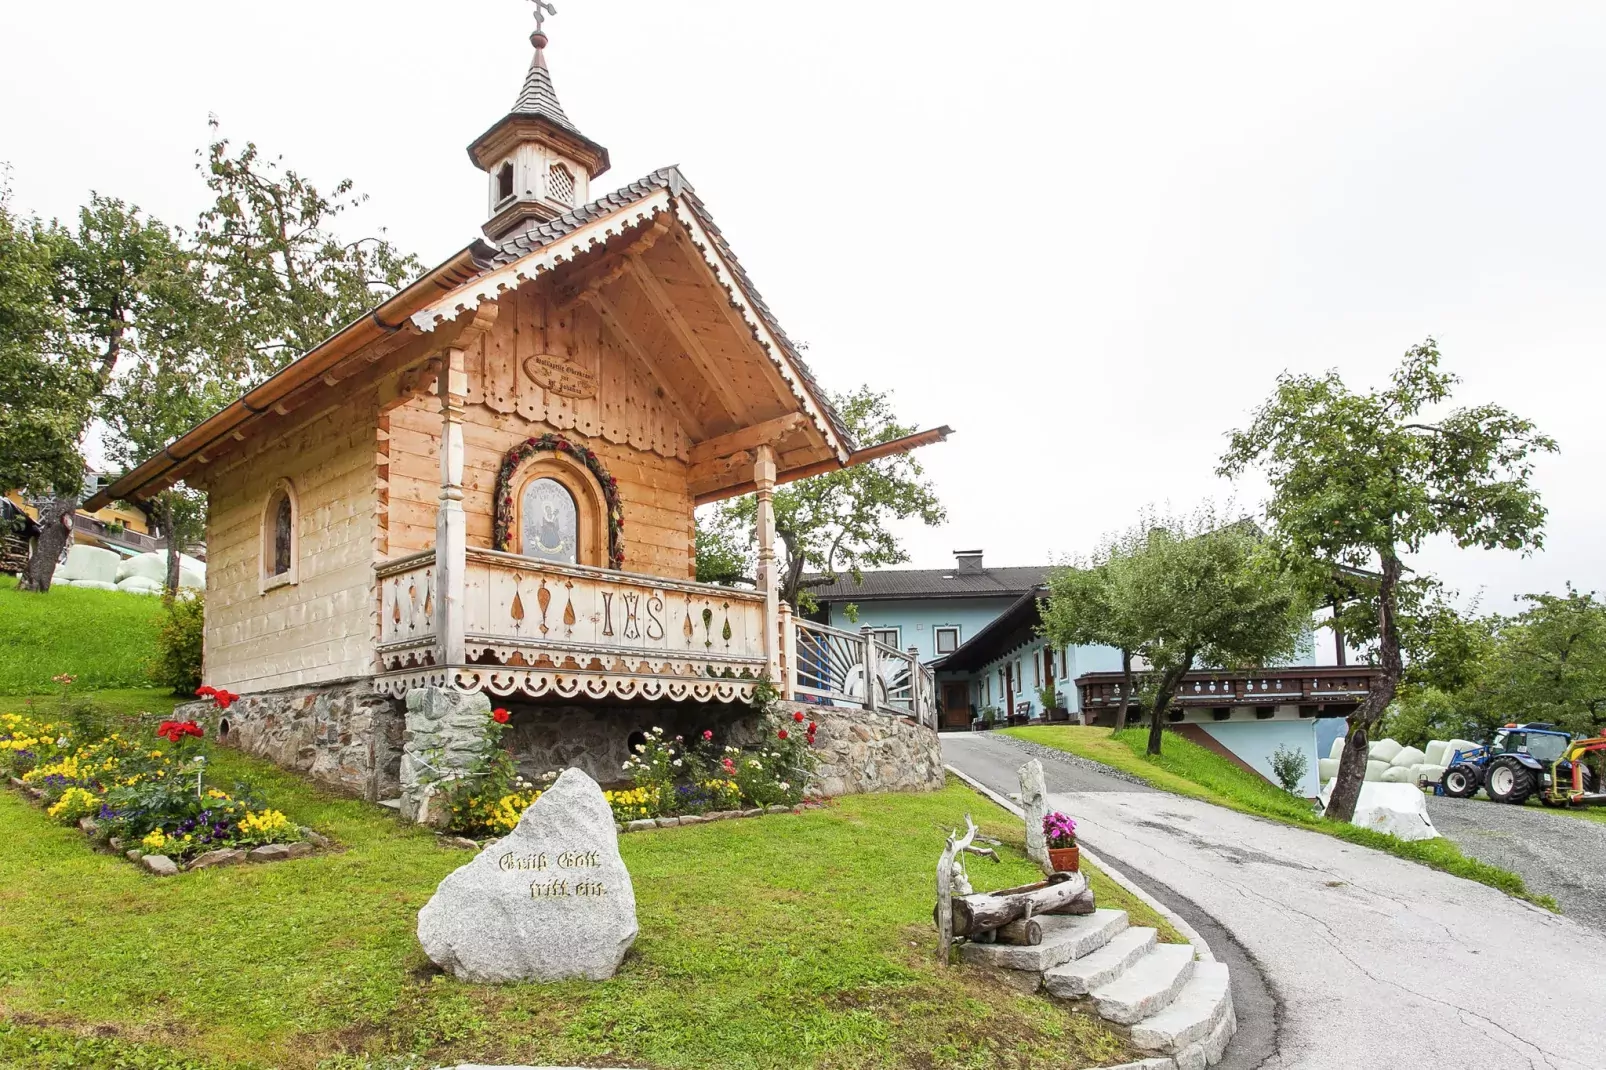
point(1062, 663)
point(560, 184)
point(551, 529)
point(1037, 667)
point(947, 640)
point(1020, 677)
point(504, 183)
point(280, 542)
point(887, 637)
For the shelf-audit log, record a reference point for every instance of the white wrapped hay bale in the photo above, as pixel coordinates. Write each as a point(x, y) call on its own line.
point(1431, 774)
point(1408, 757)
point(1398, 809)
point(139, 585)
point(1336, 751)
point(1399, 774)
point(1464, 746)
point(1384, 750)
point(1376, 769)
point(1327, 769)
point(1438, 752)
point(89, 566)
point(153, 566)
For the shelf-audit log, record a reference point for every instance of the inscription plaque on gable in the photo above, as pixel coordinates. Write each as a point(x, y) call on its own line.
point(562, 375)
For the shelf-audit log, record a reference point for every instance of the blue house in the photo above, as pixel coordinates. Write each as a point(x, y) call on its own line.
point(978, 628)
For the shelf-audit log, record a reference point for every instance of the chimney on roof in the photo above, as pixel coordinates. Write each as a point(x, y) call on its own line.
point(968, 561)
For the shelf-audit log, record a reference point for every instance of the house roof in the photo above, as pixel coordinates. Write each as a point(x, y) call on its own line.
point(475, 261)
point(1013, 628)
point(934, 583)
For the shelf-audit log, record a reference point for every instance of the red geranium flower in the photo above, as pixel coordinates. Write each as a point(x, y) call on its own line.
point(813, 728)
point(206, 690)
point(797, 715)
point(224, 699)
point(499, 715)
point(781, 733)
point(707, 735)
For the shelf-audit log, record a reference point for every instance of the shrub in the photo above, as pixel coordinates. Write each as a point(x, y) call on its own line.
point(1290, 767)
point(179, 632)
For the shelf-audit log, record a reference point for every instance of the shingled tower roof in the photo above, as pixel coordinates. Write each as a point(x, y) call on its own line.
point(538, 97)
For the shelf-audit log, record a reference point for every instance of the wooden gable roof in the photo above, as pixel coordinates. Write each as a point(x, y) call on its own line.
point(668, 288)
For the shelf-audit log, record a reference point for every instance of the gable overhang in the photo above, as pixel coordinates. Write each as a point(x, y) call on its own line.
point(662, 205)
point(327, 363)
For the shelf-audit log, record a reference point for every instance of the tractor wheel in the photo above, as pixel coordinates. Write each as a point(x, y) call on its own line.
point(1508, 781)
point(1461, 781)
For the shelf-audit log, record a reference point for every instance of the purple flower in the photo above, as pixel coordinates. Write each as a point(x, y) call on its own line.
point(1059, 829)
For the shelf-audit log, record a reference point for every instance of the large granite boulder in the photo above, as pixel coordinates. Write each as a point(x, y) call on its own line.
point(550, 900)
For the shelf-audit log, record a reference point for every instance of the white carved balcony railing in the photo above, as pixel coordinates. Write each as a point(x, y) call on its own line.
point(539, 629)
point(828, 665)
point(407, 611)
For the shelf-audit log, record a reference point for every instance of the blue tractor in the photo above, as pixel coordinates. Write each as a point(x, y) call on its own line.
point(1521, 761)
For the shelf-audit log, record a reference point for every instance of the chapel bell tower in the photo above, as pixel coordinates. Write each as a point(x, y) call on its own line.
point(539, 165)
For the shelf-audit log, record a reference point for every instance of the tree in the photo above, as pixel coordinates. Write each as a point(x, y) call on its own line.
point(1092, 604)
point(175, 379)
point(1547, 663)
point(1210, 594)
point(286, 280)
point(1179, 593)
point(831, 523)
point(45, 390)
point(99, 289)
point(1361, 479)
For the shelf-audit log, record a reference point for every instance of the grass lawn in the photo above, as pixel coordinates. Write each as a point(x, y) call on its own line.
point(786, 941)
point(1189, 769)
point(104, 638)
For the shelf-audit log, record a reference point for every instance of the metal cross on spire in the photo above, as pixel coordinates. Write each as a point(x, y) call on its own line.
point(542, 10)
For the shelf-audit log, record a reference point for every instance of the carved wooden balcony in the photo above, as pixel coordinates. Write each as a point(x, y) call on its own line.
point(537, 629)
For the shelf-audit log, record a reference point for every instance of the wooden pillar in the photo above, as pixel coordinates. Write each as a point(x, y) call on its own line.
point(914, 685)
point(451, 526)
point(768, 579)
point(872, 668)
point(788, 648)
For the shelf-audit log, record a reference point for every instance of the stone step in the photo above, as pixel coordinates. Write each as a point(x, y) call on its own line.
point(1192, 1016)
point(1146, 986)
point(393, 804)
point(1065, 937)
point(1080, 976)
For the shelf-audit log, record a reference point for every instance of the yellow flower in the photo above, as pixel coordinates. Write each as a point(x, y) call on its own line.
point(154, 840)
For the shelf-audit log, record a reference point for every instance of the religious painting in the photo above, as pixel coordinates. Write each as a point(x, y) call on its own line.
point(551, 522)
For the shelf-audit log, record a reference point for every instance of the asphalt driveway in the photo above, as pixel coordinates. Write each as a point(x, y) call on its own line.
point(1373, 961)
point(1555, 853)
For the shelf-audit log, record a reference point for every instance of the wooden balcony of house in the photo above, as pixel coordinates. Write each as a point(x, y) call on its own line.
point(535, 629)
point(1316, 691)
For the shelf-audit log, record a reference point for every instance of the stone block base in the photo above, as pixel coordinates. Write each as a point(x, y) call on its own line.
point(341, 735)
point(861, 752)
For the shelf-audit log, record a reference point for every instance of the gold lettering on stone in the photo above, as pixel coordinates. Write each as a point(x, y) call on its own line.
point(561, 375)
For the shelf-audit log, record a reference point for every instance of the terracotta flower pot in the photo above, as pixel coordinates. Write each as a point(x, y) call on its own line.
point(1065, 859)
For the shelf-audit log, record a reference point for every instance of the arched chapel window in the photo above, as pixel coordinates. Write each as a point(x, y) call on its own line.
point(551, 522)
point(279, 547)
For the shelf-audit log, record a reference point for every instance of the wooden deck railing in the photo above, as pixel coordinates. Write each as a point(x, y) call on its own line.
point(832, 666)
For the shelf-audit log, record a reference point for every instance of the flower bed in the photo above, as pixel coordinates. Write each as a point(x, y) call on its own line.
point(128, 791)
point(673, 777)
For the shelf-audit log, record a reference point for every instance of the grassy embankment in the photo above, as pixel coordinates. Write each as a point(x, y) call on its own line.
point(1189, 769)
point(104, 638)
point(788, 941)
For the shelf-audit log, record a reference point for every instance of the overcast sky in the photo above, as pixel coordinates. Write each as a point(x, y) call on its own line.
point(1087, 236)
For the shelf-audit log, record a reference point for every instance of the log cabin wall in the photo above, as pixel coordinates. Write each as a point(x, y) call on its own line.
point(624, 421)
point(321, 627)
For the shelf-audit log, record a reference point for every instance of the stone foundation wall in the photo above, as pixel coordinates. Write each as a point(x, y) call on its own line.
point(595, 739)
point(862, 752)
point(343, 736)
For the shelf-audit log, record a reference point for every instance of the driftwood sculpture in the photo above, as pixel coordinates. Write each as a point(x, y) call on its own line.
point(975, 915)
point(952, 879)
